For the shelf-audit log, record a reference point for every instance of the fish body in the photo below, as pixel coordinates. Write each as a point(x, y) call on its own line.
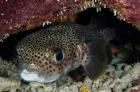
point(47, 54)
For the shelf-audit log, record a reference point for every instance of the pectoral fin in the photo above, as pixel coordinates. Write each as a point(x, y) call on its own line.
point(97, 58)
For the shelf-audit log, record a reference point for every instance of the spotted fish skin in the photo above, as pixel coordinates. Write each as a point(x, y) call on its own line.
point(38, 51)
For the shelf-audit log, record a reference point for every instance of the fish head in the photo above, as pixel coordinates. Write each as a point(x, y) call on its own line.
point(44, 56)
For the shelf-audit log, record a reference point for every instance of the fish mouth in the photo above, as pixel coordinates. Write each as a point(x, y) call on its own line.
point(36, 77)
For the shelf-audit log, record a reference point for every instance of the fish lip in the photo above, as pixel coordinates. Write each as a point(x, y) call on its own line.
point(35, 77)
point(28, 76)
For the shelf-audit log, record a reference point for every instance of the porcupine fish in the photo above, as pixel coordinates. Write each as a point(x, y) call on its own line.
point(47, 54)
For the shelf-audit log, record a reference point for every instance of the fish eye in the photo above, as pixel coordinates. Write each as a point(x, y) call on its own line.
point(59, 56)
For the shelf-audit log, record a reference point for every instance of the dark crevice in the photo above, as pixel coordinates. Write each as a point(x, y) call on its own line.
point(126, 32)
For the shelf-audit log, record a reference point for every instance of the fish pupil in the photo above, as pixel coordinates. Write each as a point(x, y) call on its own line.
point(59, 56)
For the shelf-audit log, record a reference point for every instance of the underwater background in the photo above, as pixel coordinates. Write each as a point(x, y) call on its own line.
point(121, 75)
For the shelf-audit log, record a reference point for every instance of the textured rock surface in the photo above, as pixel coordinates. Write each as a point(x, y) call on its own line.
point(28, 14)
point(128, 10)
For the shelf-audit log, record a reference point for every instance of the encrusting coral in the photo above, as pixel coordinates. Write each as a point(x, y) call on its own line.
point(28, 14)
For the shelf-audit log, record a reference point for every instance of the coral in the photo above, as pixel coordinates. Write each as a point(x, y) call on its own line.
point(27, 14)
point(116, 78)
point(84, 89)
point(136, 81)
point(128, 10)
point(134, 89)
point(6, 84)
point(8, 70)
point(119, 78)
